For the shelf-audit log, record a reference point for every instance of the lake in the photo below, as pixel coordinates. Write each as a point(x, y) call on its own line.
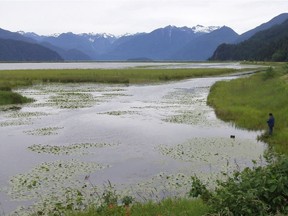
point(147, 140)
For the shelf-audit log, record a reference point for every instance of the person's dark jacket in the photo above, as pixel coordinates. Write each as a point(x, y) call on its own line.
point(271, 121)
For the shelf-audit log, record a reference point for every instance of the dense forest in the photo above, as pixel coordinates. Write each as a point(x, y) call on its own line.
point(267, 45)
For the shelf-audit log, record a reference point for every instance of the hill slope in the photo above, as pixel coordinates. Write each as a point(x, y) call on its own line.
point(202, 47)
point(275, 21)
point(14, 50)
point(268, 45)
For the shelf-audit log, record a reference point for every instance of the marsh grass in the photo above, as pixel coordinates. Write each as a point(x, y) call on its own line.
point(9, 97)
point(247, 101)
point(107, 75)
point(17, 78)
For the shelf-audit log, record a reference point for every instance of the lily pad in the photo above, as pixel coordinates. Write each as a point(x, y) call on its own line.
point(73, 149)
point(218, 153)
point(118, 113)
point(44, 131)
point(49, 178)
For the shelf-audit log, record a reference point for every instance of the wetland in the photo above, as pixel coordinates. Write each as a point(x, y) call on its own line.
point(147, 139)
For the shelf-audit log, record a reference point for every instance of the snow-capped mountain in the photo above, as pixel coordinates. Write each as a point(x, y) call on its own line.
point(160, 44)
point(167, 43)
point(204, 29)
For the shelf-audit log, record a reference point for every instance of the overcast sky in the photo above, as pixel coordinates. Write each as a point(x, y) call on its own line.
point(131, 16)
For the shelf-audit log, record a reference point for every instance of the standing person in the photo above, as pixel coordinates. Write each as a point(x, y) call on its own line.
point(270, 123)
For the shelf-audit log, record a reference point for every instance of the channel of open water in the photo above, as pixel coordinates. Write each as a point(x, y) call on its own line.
point(146, 140)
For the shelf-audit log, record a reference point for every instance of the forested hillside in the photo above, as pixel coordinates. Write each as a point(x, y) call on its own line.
point(267, 45)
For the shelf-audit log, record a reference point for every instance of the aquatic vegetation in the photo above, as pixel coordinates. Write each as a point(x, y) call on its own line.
point(182, 105)
point(18, 118)
point(72, 100)
point(72, 149)
point(194, 117)
point(55, 187)
point(44, 131)
point(72, 96)
point(26, 114)
point(9, 97)
point(110, 75)
point(17, 122)
point(189, 107)
point(49, 177)
point(217, 152)
point(161, 186)
point(118, 113)
point(114, 95)
point(17, 78)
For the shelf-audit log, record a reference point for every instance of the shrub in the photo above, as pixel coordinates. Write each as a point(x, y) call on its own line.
point(269, 73)
point(254, 191)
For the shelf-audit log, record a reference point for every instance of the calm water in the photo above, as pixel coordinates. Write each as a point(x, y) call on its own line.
point(134, 136)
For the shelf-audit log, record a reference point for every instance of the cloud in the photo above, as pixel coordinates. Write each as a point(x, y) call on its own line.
point(131, 16)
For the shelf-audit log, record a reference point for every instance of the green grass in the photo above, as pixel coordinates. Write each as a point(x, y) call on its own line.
point(167, 207)
point(109, 75)
point(246, 102)
point(9, 97)
point(16, 78)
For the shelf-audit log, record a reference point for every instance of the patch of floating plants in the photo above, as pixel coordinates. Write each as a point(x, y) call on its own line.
point(44, 131)
point(50, 178)
point(118, 113)
point(72, 100)
point(193, 117)
point(114, 94)
point(73, 149)
point(217, 152)
point(161, 186)
point(187, 96)
point(26, 114)
point(189, 107)
point(71, 96)
point(17, 122)
point(20, 118)
point(164, 184)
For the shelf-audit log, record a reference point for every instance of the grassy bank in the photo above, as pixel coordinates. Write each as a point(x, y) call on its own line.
point(110, 76)
point(16, 78)
point(246, 103)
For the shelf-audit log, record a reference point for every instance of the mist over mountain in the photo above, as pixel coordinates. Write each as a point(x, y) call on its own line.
point(197, 43)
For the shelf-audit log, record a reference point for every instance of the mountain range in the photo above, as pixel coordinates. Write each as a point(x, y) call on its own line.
point(267, 45)
point(169, 43)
